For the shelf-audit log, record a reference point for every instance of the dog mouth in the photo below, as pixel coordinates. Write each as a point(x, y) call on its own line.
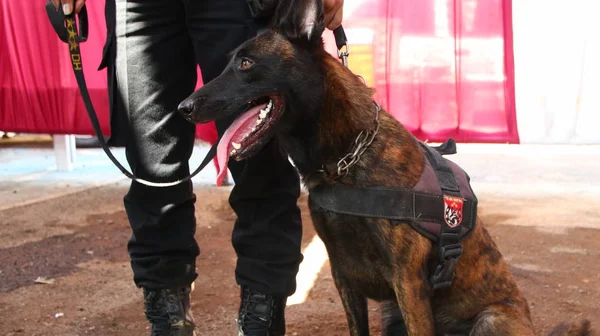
point(250, 131)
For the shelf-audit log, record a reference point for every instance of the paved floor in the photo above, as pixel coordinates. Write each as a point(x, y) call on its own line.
point(28, 175)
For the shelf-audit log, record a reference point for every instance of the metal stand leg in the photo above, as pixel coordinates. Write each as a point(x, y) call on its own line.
point(64, 149)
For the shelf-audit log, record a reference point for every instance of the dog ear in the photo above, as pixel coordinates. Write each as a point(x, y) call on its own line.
point(302, 20)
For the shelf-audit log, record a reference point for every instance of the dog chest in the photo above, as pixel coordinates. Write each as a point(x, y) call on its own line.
point(442, 207)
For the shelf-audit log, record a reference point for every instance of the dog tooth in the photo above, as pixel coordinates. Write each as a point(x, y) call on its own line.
point(236, 145)
point(233, 151)
point(258, 121)
point(263, 114)
point(270, 104)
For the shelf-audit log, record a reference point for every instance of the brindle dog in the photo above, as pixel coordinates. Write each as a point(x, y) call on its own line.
point(283, 86)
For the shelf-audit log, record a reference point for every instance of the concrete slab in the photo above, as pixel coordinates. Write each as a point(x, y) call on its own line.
point(507, 174)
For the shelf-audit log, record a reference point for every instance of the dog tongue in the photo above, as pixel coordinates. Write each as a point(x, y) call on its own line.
point(235, 133)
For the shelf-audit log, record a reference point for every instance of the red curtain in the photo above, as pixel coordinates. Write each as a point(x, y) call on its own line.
point(443, 68)
point(38, 90)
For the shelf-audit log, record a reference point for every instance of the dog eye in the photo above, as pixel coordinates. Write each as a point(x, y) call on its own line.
point(246, 63)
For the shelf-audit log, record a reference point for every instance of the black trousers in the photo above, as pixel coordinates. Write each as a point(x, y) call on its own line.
point(151, 54)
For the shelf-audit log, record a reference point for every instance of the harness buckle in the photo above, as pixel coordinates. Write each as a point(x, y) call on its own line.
point(444, 272)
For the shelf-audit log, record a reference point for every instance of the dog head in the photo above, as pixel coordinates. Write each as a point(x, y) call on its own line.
point(271, 82)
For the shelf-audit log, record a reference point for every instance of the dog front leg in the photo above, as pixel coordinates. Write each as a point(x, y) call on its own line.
point(355, 305)
point(416, 310)
point(392, 323)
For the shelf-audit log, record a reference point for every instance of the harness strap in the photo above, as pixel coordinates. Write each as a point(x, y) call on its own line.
point(66, 28)
point(449, 247)
point(388, 203)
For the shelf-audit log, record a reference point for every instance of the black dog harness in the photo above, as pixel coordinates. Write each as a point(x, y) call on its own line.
point(441, 206)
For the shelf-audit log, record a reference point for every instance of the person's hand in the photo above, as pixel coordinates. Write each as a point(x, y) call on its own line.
point(334, 11)
point(69, 4)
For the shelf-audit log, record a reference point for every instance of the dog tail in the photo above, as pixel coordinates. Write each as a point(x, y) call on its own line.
point(583, 328)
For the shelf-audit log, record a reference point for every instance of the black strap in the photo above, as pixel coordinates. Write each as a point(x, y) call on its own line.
point(449, 247)
point(446, 148)
point(381, 202)
point(340, 37)
point(444, 174)
point(66, 28)
point(341, 43)
point(57, 20)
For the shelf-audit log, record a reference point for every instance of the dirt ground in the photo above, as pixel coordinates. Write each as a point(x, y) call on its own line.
point(68, 231)
point(92, 292)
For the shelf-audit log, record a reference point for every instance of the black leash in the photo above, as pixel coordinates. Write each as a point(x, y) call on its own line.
point(66, 28)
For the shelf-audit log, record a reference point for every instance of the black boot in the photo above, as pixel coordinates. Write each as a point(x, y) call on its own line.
point(261, 314)
point(169, 312)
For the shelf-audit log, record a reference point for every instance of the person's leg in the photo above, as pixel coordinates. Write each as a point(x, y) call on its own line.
point(154, 70)
point(268, 232)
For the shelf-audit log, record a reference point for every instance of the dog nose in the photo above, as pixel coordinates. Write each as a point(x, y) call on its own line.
point(186, 107)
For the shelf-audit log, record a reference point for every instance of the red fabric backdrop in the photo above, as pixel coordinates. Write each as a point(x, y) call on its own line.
point(442, 67)
point(38, 89)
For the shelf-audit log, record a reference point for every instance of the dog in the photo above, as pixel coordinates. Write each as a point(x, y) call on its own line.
point(283, 86)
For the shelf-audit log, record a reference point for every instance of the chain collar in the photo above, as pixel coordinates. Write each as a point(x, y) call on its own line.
point(361, 143)
point(364, 138)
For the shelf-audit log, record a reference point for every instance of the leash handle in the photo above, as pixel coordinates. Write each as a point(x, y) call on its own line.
point(59, 22)
point(66, 29)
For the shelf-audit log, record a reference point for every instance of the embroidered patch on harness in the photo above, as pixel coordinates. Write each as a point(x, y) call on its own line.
point(453, 210)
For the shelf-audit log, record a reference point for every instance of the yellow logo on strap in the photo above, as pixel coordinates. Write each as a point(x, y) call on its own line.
point(75, 57)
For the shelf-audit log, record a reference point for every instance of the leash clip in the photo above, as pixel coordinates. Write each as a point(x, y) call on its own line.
point(341, 41)
point(343, 48)
point(343, 55)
